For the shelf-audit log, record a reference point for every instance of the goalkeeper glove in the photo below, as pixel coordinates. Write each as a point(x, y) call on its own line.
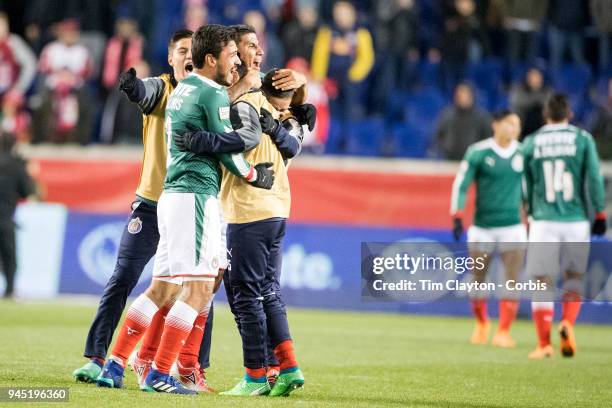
point(262, 176)
point(183, 141)
point(600, 224)
point(127, 81)
point(306, 114)
point(269, 125)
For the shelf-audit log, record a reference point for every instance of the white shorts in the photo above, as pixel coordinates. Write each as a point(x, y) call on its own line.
point(503, 239)
point(190, 241)
point(555, 246)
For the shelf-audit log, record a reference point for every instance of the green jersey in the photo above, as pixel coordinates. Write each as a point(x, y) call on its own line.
point(561, 166)
point(498, 174)
point(199, 103)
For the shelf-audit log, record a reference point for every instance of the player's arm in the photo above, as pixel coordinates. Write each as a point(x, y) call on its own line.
point(286, 135)
point(286, 79)
point(145, 93)
point(261, 175)
point(245, 136)
point(465, 177)
point(595, 185)
point(250, 80)
point(527, 180)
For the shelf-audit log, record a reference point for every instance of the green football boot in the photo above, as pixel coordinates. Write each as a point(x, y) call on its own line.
point(249, 388)
point(88, 373)
point(287, 381)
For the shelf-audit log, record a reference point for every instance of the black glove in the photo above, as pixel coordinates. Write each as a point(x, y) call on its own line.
point(269, 125)
point(265, 176)
point(183, 140)
point(600, 225)
point(457, 229)
point(127, 81)
point(306, 114)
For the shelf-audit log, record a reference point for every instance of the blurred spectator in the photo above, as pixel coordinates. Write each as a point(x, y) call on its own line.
point(464, 39)
point(40, 15)
point(602, 126)
point(314, 141)
point(601, 11)
point(527, 99)
point(63, 112)
point(268, 40)
point(461, 124)
point(522, 20)
point(196, 15)
point(17, 72)
point(397, 42)
point(344, 54)
point(123, 50)
point(15, 184)
point(118, 124)
point(14, 119)
point(568, 19)
point(299, 34)
point(17, 61)
point(97, 23)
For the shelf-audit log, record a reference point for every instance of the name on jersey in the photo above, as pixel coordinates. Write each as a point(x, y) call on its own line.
point(176, 99)
point(555, 145)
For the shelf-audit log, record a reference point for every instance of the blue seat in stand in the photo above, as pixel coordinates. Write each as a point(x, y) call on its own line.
point(571, 79)
point(365, 137)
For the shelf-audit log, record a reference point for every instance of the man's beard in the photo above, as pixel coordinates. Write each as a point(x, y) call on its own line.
point(221, 79)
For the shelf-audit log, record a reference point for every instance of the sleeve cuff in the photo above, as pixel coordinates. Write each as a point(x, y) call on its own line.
point(252, 176)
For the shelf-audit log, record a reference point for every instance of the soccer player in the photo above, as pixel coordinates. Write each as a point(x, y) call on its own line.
point(190, 247)
point(256, 227)
point(140, 236)
point(287, 139)
point(496, 166)
point(560, 159)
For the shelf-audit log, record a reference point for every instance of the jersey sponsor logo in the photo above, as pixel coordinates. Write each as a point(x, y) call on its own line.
point(517, 163)
point(489, 161)
point(135, 226)
point(224, 112)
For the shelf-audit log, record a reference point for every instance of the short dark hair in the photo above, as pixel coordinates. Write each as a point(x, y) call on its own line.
point(238, 30)
point(502, 114)
point(178, 36)
point(209, 39)
point(269, 90)
point(557, 108)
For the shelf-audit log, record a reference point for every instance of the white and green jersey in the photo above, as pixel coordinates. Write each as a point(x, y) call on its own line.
point(498, 174)
point(199, 103)
point(561, 166)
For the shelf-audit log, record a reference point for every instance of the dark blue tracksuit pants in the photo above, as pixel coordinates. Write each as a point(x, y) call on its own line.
point(135, 251)
point(254, 290)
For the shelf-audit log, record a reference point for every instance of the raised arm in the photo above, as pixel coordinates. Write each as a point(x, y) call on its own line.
point(145, 93)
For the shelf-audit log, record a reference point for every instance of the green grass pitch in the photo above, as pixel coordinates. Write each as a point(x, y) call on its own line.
point(349, 360)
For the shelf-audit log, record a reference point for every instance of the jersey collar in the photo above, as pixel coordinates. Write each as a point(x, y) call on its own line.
point(503, 152)
point(555, 126)
point(207, 81)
